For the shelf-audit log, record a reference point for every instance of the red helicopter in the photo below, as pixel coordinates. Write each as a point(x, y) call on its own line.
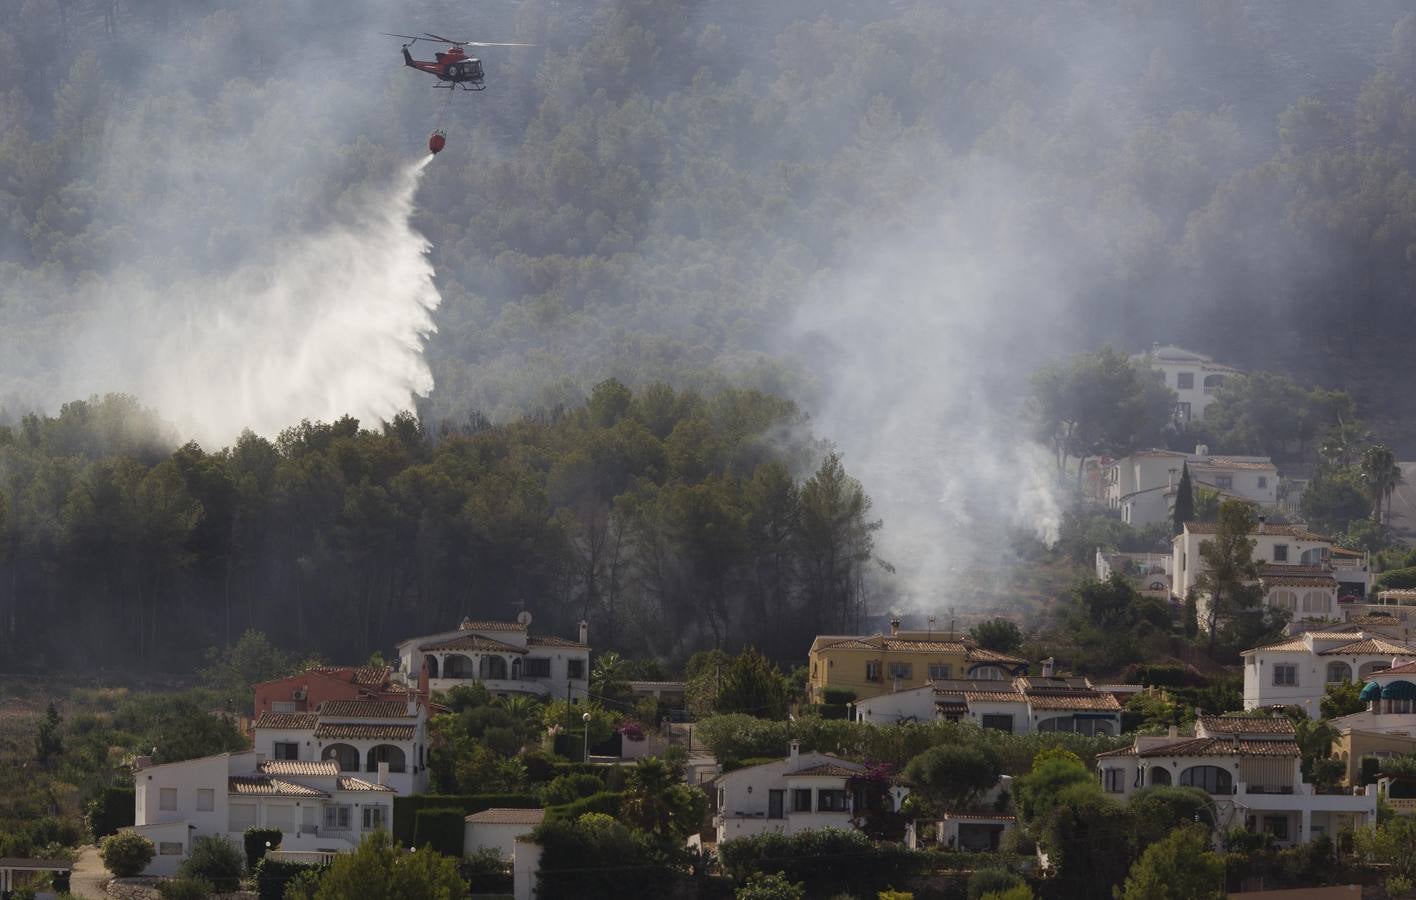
point(453, 66)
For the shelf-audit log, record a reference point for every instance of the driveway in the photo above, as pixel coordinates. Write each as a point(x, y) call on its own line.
point(89, 875)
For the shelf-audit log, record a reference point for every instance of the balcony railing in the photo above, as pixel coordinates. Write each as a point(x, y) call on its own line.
point(1269, 789)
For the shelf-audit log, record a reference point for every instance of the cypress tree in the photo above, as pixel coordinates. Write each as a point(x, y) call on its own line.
point(1184, 501)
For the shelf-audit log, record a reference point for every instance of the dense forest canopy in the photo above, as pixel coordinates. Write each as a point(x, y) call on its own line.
point(887, 214)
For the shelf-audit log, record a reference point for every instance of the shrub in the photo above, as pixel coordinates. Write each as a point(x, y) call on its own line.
point(185, 888)
point(111, 810)
point(825, 860)
point(255, 839)
point(993, 881)
point(568, 788)
point(773, 886)
point(272, 875)
point(607, 802)
point(126, 853)
point(214, 859)
point(440, 829)
point(486, 872)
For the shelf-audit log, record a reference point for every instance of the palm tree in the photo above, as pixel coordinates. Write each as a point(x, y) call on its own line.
point(607, 676)
point(1381, 475)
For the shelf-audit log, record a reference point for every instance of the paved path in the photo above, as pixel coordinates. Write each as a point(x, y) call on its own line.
point(89, 875)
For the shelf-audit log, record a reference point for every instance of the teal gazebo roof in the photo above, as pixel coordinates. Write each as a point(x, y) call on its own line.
point(1399, 690)
point(1372, 691)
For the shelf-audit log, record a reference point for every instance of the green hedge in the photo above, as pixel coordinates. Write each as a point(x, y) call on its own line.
point(827, 860)
point(272, 875)
point(111, 810)
point(255, 839)
point(405, 809)
point(838, 696)
point(440, 829)
point(607, 802)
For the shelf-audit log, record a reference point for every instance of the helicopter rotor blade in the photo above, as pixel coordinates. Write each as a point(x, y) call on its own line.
point(492, 44)
point(407, 37)
point(443, 39)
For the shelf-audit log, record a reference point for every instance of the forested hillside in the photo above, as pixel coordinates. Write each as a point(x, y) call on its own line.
point(887, 215)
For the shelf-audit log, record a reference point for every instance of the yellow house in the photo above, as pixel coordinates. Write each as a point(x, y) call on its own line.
point(1353, 745)
point(871, 665)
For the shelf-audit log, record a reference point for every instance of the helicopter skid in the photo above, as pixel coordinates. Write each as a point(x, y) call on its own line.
point(465, 85)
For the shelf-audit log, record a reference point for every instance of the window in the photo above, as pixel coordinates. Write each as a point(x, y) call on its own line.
point(1224, 482)
point(206, 799)
point(1280, 551)
point(872, 670)
point(1338, 671)
point(169, 848)
point(1284, 600)
point(538, 667)
point(282, 706)
point(286, 750)
point(1263, 482)
point(776, 802)
point(1317, 602)
point(1210, 779)
point(345, 755)
point(1185, 381)
point(1285, 674)
point(901, 671)
point(167, 799)
point(386, 753)
point(830, 800)
point(988, 673)
point(1182, 411)
point(241, 816)
point(373, 818)
point(337, 817)
point(1114, 780)
point(575, 668)
point(801, 800)
point(998, 722)
point(1277, 826)
point(939, 671)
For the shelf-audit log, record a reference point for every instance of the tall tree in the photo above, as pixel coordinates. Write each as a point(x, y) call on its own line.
point(1184, 501)
point(1230, 571)
point(1381, 475)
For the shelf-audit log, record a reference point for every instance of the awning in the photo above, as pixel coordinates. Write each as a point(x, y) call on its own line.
point(1399, 690)
point(1372, 691)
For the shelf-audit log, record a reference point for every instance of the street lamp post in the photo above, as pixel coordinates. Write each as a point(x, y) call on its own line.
point(585, 717)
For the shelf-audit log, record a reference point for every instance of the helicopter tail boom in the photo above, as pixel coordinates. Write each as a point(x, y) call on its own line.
point(407, 57)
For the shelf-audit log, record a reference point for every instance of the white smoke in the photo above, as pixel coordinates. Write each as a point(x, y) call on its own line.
point(331, 323)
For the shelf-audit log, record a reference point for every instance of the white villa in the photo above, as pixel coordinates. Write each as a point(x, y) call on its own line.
point(1142, 486)
point(1195, 378)
point(802, 791)
point(1148, 573)
point(316, 807)
point(358, 736)
point(1250, 766)
point(1391, 701)
point(503, 656)
point(1395, 606)
point(1297, 671)
point(498, 829)
point(1025, 705)
point(1298, 570)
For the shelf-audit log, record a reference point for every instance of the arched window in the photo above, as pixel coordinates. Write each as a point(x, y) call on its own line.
point(1317, 602)
point(1339, 671)
point(345, 755)
point(1213, 383)
point(431, 662)
point(456, 665)
point(386, 753)
point(1160, 775)
point(987, 673)
point(1314, 557)
point(493, 667)
point(1284, 600)
point(1210, 779)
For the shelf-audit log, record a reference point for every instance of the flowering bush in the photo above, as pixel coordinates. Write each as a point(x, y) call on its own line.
point(632, 731)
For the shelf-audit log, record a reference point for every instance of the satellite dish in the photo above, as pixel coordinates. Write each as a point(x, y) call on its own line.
point(523, 618)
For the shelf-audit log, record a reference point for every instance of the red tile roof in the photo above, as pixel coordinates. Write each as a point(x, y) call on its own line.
point(907, 645)
point(980, 655)
point(1102, 702)
point(1223, 746)
point(350, 783)
point(1370, 647)
point(287, 720)
point(366, 709)
point(1293, 531)
point(260, 784)
point(1403, 669)
point(306, 767)
point(1247, 724)
point(474, 642)
point(551, 640)
point(507, 817)
point(468, 625)
point(368, 731)
point(367, 675)
point(994, 696)
point(826, 769)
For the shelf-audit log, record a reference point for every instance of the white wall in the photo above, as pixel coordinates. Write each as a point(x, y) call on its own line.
point(496, 836)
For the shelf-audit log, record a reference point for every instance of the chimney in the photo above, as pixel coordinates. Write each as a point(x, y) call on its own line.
point(1262, 521)
point(383, 773)
point(412, 704)
point(894, 624)
point(1173, 732)
point(584, 632)
point(1048, 666)
point(141, 762)
point(793, 753)
point(1202, 449)
point(1170, 485)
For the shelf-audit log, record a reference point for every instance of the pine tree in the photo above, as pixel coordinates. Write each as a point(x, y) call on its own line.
point(48, 743)
point(1184, 501)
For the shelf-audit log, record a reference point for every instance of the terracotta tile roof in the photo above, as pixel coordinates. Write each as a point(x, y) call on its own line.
point(366, 709)
point(978, 654)
point(1375, 619)
point(507, 817)
point(274, 787)
point(306, 767)
point(551, 640)
point(1293, 531)
point(908, 645)
point(994, 696)
point(474, 642)
point(350, 783)
point(1317, 581)
point(846, 643)
point(1298, 644)
point(1371, 646)
point(659, 685)
point(1403, 669)
point(1224, 746)
point(368, 731)
point(1247, 724)
point(1230, 462)
point(1102, 702)
point(468, 625)
point(825, 769)
point(366, 675)
point(981, 817)
point(287, 720)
